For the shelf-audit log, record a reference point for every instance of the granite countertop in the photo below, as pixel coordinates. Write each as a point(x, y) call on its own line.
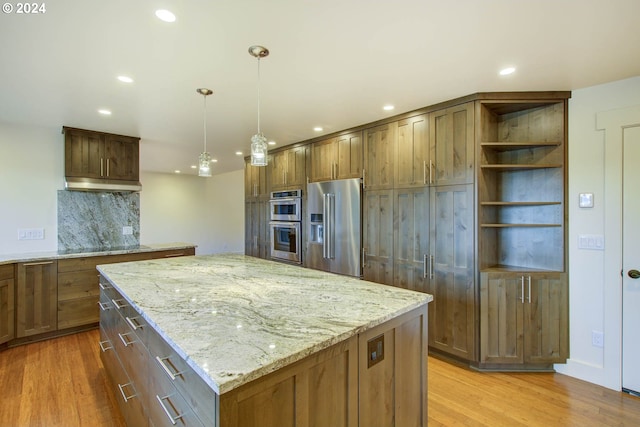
point(50, 255)
point(235, 318)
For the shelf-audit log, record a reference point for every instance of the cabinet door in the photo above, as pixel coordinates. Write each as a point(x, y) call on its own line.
point(295, 172)
point(412, 154)
point(377, 236)
point(36, 298)
point(348, 149)
point(452, 316)
point(122, 158)
point(7, 330)
point(84, 155)
point(501, 317)
point(379, 149)
point(546, 319)
point(255, 180)
point(411, 239)
point(452, 145)
point(322, 160)
point(277, 167)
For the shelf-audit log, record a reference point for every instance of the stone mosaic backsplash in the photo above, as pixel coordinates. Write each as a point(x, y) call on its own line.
point(91, 220)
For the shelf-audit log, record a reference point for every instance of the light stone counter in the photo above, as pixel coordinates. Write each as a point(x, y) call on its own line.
point(235, 318)
point(55, 255)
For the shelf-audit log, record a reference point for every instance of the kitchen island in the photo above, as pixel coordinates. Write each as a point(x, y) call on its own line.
point(231, 340)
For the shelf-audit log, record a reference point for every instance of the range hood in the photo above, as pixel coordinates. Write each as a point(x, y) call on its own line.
point(89, 184)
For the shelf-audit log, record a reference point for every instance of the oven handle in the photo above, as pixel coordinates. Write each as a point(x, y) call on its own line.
point(284, 223)
point(291, 199)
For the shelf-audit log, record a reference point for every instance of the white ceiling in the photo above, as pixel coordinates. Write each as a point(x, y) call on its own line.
point(333, 63)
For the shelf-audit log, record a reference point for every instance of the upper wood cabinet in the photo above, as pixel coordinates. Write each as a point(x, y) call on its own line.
point(255, 181)
point(379, 152)
point(7, 303)
point(337, 158)
point(452, 145)
point(287, 168)
point(90, 154)
point(412, 164)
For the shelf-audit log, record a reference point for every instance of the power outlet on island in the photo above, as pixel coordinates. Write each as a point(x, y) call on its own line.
point(597, 339)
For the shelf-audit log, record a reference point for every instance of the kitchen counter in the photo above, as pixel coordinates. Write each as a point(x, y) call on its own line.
point(235, 318)
point(56, 255)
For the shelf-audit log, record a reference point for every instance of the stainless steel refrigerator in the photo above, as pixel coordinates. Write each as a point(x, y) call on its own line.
point(334, 235)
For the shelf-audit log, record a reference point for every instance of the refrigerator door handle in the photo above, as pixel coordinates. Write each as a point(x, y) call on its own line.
point(329, 225)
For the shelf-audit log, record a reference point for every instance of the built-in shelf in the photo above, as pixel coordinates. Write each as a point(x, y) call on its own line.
point(507, 146)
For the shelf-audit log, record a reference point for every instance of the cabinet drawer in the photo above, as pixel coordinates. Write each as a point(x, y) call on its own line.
point(132, 354)
point(200, 397)
point(166, 404)
point(78, 312)
point(78, 284)
point(6, 271)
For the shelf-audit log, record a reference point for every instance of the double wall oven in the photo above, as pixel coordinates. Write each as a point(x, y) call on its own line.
point(285, 219)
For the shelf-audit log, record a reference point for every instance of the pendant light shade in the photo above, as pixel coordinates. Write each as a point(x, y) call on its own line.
point(204, 160)
point(258, 141)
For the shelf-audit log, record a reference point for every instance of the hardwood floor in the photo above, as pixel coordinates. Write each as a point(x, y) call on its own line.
point(61, 382)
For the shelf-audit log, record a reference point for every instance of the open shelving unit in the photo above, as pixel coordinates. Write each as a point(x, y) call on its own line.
point(521, 190)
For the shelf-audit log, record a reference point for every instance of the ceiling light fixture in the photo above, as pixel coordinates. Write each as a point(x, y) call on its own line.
point(204, 160)
point(271, 143)
point(507, 71)
point(318, 129)
point(125, 79)
point(258, 141)
point(388, 107)
point(165, 15)
point(104, 112)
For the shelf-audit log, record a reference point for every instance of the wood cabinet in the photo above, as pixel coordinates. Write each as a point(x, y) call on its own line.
point(452, 140)
point(524, 319)
point(287, 168)
point(337, 158)
point(255, 181)
point(379, 152)
point(78, 281)
point(256, 237)
point(452, 315)
point(412, 163)
point(7, 303)
point(377, 236)
point(98, 155)
point(36, 297)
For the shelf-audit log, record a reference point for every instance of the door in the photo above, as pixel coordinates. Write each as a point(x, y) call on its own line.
point(36, 298)
point(631, 262)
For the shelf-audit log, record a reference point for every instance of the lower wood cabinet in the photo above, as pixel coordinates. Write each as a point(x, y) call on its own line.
point(523, 319)
point(7, 303)
point(36, 297)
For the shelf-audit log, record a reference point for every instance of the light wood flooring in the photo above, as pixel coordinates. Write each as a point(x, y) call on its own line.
point(61, 382)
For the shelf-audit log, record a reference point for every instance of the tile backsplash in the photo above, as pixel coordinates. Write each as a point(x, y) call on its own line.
point(95, 220)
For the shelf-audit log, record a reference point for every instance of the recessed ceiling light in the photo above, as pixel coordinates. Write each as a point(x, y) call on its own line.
point(104, 112)
point(271, 143)
point(388, 107)
point(194, 167)
point(318, 129)
point(125, 79)
point(176, 171)
point(165, 15)
point(238, 153)
point(507, 71)
point(214, 160)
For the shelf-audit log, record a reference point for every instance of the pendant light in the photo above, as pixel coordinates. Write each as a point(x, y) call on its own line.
point(258, 141)
point(204, 160)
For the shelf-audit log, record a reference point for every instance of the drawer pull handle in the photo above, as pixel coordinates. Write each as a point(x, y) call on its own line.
point(104, 307)
point(133, 323)
point(118, 306)
point(166, 410)
point(105, 345)
point(125, 341)
point(103, 287)
point(31, 264)
point(124, 396)
point(166, 369)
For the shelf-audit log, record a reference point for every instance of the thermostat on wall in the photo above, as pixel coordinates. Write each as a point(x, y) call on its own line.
point(586, 200)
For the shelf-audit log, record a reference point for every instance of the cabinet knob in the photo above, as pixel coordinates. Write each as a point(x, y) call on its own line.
point(634, 274)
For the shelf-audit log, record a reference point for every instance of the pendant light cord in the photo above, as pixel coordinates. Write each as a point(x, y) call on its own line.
point(205, 122)
point(258, 95)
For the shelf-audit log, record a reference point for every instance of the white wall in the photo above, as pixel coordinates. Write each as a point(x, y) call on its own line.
point(208, 212)
point(173, 208)
point(588, 311)
point(31, 173)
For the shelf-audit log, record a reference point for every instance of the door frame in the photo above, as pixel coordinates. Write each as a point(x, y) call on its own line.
point(614, 122)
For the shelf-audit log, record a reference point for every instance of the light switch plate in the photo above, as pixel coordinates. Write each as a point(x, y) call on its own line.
point(586, 200)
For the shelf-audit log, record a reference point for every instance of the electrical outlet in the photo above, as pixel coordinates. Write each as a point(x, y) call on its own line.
point(127, 230)
point(31, 234)
point(597, 339)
